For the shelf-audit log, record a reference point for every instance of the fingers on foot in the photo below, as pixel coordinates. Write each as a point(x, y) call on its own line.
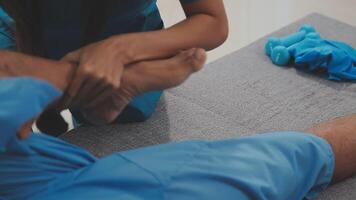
point(193, 59)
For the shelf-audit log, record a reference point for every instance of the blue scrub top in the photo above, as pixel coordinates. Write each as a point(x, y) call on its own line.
point(63, 33)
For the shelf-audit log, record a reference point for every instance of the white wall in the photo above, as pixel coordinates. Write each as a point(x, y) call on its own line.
point(252, 19)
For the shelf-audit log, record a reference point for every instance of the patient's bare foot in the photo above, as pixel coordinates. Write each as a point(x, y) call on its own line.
point(146, 76)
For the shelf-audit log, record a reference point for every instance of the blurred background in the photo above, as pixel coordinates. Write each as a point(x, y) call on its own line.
point(252, 19)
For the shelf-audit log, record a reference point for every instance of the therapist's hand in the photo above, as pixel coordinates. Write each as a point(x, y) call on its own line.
point(143, 77)
point(100, 67)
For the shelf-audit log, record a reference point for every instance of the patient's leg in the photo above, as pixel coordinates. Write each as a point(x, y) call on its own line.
point(341, 134)
point(143, 77)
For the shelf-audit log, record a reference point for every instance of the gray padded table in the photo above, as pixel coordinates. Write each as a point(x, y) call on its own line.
point(239, 94)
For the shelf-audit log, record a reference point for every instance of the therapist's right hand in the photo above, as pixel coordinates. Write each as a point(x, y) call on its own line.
point(98, 74)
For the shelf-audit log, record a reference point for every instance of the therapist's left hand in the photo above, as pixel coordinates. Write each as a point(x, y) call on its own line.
point(100, 67)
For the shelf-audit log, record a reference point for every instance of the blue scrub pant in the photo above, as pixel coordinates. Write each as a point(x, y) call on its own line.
point(271, 166)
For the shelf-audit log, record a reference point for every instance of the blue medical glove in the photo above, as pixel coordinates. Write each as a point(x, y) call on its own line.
point(336, 58)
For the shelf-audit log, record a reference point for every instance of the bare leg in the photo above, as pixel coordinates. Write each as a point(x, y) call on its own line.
point(143, 77)
point(341, 134)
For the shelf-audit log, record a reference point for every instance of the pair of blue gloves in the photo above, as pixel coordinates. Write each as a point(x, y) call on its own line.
point(308, 51)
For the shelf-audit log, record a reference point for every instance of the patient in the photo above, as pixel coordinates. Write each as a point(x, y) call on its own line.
point(281, 165)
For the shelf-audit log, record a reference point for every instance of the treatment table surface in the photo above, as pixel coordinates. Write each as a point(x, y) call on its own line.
point(240, 94)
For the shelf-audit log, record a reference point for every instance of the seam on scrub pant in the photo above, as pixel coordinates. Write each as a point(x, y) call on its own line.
point(202, 144)
point(141, 167)
point(166, 183)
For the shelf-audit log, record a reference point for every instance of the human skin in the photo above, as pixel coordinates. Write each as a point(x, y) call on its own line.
point(341, 134)
point(137, 78)
point(59, 73)
point(143, 77)
point(102, 63)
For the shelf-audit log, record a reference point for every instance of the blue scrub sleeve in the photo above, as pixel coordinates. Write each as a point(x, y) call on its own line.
point(7, 38)
point(278, 166)
point(21, 99)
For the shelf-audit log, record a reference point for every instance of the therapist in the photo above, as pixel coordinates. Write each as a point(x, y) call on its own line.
point(104, 37)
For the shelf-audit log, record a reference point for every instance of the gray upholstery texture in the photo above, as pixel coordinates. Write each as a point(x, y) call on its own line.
point(240, 94)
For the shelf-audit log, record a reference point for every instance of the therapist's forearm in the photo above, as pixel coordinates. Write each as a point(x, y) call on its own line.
point(200, 30)
point(13, 64)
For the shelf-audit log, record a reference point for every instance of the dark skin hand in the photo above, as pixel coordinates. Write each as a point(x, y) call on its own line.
point(95, 78)
point(101, 64)
point(138, 78)
point(143, 77)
